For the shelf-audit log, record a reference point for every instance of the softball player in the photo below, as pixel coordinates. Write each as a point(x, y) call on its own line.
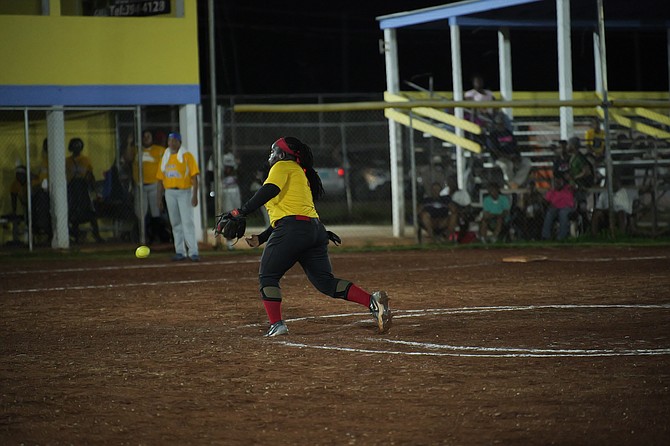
point(296, 234)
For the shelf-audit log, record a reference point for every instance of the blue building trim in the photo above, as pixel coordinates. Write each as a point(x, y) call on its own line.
point(98, 95)
point(461, 13)
point(475, 22)
point(444, 12)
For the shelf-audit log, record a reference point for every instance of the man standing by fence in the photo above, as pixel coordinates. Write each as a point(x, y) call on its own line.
point(178, 181)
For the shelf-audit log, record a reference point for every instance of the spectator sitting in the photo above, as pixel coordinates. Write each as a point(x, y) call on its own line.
point(473, 177)
point(504, 149)
point(433, 213)
point(435, 172)
point(495, 214)
point(460, 210)
point(622, 142)
point(500, 140)
point(580, 169)
point(561, 200)
point(531, 217)
point(561, 163)
point(477, 178)
point(582, 176)
point(624, 206)
point(516, 169)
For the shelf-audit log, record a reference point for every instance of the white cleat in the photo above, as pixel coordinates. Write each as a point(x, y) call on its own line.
point(380, 310)
point(277, 329)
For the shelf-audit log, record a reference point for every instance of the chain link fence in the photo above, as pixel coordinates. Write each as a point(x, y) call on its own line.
point(522, 156)
point(99, 191)
point(551, 187)
point(351, 156)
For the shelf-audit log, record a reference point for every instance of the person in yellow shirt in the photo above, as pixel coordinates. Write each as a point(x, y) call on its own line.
point(152, 154)
point(178, 181)
point(296, 235)
point(595, 139)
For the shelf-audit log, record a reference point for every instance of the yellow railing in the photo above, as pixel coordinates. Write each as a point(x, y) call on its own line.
point(436, 115)
point(623, 109)
point(637, 110)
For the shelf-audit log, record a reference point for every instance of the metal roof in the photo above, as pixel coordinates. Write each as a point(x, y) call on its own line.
point(621, 14)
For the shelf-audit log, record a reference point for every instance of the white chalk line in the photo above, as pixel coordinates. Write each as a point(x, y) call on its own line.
point(557, 353)
point(611, 259)
point(536, 352)
point(181, 282)
point(399, 314)
point(201, 265)
point(126, 267)
point(433, 349)
point(111, 286)
point(257, 260)
point(232, 262)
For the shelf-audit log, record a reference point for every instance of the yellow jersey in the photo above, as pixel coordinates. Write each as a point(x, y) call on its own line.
point(151, 163)
point(295, 196)
point(595, 141)
point(79, 167)
point(176, 174)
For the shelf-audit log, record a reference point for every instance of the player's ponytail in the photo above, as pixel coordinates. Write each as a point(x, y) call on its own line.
point(306, 160)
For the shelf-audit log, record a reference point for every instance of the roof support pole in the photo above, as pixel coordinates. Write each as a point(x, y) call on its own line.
point(457, 82)
point(564, 66)
point(597, 64)
point(505, 68)
point(58, 178)
point(390, 48)
point(609, 167)
point(29, 194)
point(188, 125)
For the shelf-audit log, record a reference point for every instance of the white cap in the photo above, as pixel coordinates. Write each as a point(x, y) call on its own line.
point(229, 160)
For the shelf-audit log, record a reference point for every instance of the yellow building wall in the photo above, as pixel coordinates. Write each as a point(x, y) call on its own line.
point(70, 50)
point(144, 60)
point(21, 7)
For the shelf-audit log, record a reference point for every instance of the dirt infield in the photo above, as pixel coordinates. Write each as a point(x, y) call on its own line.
point(571, 350)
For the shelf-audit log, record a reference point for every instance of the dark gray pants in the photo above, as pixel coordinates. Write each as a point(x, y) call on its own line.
point(305, 242)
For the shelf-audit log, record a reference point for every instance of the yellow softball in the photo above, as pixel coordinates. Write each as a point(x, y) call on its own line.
point(142, 251)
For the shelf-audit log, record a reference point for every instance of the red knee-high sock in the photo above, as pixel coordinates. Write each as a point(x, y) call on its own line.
point(358, 295)
point(273, 309)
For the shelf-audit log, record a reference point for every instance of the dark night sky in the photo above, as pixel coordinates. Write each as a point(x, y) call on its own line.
point(296, 47)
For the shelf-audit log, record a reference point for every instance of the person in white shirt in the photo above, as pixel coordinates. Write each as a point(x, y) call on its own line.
point(460, 210)
point(480, 116)
point(624, 207)
point(478, 92)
